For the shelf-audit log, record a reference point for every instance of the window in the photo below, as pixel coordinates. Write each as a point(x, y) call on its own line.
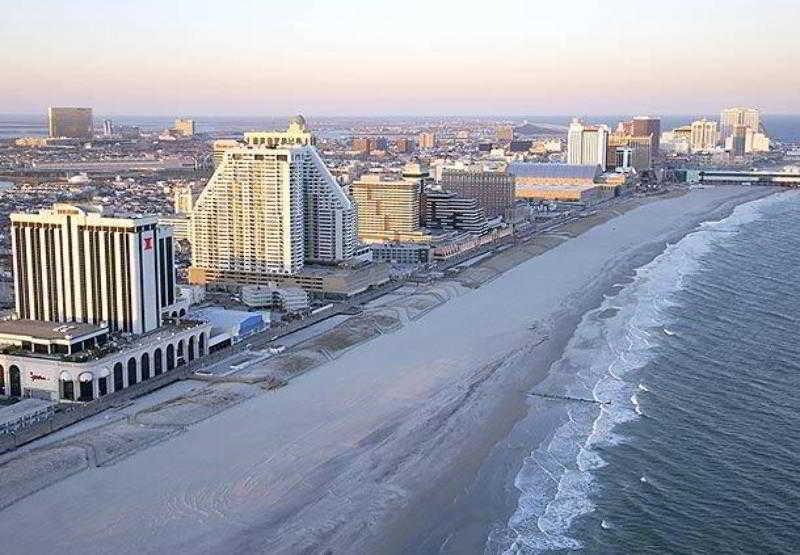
point(118, 377)
point(131, 371)
point(16, 381)
point(68, 390)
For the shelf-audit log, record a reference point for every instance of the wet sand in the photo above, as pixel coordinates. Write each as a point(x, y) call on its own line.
point(405, 443)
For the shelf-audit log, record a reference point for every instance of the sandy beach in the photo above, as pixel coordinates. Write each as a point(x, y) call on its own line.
point(408, 442)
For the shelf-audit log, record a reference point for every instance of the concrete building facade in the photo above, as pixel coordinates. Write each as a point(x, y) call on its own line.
point(184, 127)
point(587, 145)
point(249, 217)
point(494, 190)
point(705, 136)
point(388, 209)
point(73, 263)
point(72, 377)
point(74, 123)
point(730, 118)
point(270, 207)
point(449, 211)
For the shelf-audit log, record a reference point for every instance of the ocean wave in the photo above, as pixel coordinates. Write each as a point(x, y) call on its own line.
point(637, 407)
point(556, 479)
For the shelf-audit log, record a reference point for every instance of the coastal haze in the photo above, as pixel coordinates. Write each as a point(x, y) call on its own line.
point(366, 58)
point(433, 278)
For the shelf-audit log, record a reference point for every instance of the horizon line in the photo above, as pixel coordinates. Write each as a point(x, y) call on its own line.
point(393, 115)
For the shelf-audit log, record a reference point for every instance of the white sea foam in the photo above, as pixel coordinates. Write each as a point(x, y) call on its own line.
point(636, 405)
point(556, 479)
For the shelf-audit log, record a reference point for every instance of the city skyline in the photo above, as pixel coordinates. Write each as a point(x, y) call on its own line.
point(363, 59)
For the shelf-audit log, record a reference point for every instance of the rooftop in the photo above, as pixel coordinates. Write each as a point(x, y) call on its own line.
point(553, 171)
point(40, 329)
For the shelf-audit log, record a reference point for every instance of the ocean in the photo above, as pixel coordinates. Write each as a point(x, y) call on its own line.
point(696, 362)
point(785, 128)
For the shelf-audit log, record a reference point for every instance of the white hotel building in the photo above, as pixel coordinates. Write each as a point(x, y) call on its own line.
point(97, 306)
point(74, 264)
point(587, 145)
point(271, 206)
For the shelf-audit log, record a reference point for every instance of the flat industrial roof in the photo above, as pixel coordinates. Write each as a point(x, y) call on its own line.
point(41, 329)
point(553, 171)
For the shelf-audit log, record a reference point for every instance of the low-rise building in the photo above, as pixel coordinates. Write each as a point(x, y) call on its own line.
point(340, 281)
point(402, 253)
point(287, 299)
point(228, 327)
point(461, 245)
point(557, 182)
point(80, 362)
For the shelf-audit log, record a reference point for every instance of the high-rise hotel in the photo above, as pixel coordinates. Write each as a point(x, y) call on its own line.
point(587, 144)
point(97, 307)
point(75, 123)
point(729, 118)
point(388, 209)
point(270, 207)
point(74, 264)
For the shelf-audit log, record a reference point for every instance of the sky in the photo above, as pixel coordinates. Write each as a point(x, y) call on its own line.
point(432, 57)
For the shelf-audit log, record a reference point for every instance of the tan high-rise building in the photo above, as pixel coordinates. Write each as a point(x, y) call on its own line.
point(220, 146)
point(74, 123)
point(184, 127)
point(388, 209)
point(704, 136)
point(504, 133)
point(731, 117)
point(426, 140)
point(641, 152)
point(625, 151)
point(403, 145)
point(362, 144)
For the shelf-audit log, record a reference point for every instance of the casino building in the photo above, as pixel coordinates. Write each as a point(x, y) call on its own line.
point(73, 263)
point(97, 306)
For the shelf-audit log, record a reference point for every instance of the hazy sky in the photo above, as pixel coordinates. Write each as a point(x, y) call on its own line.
point(350, 57)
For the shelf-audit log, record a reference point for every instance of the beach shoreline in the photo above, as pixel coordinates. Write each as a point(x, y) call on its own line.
point(477, 507)
point(400, 443)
